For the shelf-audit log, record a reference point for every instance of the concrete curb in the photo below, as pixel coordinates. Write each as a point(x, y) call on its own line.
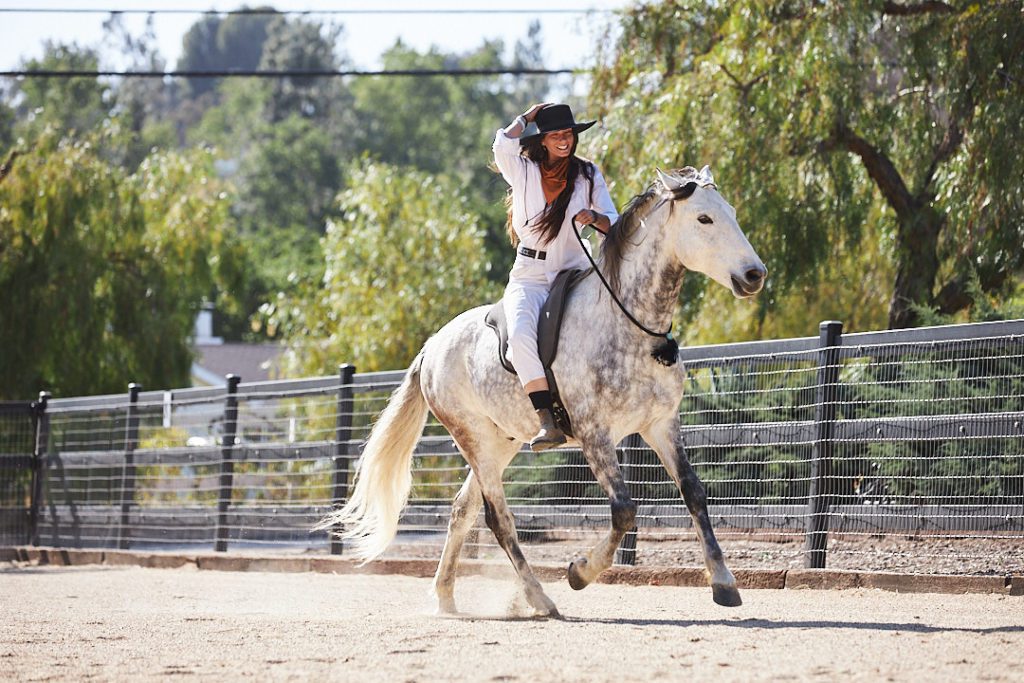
point(820, 579)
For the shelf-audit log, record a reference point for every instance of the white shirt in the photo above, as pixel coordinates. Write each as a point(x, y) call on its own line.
point(528, 204)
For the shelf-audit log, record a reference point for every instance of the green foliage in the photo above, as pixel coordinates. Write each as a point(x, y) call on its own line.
point(301, 45)
point(405, 257)
point(446, 124)
point(72, 104)
point(820, 117)
point(216, 43)
point(437, 125)
point(7, 119)
point(102, 272)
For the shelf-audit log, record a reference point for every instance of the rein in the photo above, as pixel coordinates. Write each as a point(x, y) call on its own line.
point(667, 351)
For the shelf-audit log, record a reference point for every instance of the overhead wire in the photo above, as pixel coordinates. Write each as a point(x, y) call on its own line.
point(317, 73)
point(272, 12)
point(78, 73)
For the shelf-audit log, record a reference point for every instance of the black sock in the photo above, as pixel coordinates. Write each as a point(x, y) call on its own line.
point(541, 399)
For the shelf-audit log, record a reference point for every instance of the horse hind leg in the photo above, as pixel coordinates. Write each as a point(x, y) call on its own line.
point(501, 523)
point(488, 453)
point(465, 510)
point(665, 442)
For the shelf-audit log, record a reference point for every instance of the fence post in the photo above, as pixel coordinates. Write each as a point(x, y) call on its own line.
point(819, 498)
point(626, 553)
point(131, 438)
point(227, 467)
point(342, 435)
point(41, 429)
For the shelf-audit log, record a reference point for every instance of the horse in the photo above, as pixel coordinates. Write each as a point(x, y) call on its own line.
point(610, 382)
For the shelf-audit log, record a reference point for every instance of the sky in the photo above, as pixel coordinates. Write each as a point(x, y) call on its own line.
point(568, 38)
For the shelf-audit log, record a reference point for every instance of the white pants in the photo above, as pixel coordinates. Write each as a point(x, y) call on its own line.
point(522, 302)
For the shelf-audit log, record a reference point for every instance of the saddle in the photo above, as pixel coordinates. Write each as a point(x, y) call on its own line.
point(549, 328)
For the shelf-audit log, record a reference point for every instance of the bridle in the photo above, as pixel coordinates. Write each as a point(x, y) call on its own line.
point(667, 351)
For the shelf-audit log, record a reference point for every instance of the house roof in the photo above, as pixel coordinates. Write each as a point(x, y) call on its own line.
point(251, 362)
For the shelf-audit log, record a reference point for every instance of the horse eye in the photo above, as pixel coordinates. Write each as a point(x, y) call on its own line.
point(705, 219)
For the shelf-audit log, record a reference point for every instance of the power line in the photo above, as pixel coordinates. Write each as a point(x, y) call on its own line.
point(316, 73)
point(269, 11)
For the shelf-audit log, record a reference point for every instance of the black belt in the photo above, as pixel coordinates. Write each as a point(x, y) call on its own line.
point(533, 253)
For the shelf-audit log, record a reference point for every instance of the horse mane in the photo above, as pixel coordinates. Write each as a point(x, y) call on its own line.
point(616, 242)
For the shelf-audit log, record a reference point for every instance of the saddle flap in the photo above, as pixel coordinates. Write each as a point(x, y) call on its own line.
point(549, 329)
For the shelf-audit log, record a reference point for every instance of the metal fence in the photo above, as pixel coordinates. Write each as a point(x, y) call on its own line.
point(900, 450)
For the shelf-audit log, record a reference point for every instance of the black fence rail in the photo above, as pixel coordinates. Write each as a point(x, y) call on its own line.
point(882, 450)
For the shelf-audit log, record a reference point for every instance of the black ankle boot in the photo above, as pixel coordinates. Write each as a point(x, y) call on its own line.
point(549, 435)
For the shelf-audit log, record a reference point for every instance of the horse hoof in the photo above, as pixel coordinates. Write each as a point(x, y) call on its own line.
point(575, 575)
point(446, 606)
point(549, 614)
point(726, 596)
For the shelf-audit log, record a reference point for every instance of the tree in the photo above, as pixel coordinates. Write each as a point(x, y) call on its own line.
point(445, 124)
point(300, 45)
point(70, 104)
point(405, 257)
point(7, 119)
point(216, 43)
point(821, 115)
point(141, 107)
point(102, 271)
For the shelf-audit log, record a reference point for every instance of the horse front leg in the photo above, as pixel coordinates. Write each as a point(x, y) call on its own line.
point(600, 454)
point(664, 439)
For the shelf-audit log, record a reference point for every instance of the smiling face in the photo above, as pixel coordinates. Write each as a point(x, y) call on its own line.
point(558, 143)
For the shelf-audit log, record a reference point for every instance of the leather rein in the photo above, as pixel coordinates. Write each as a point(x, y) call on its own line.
point(666, 352)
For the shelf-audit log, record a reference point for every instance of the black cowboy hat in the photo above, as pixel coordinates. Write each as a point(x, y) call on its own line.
point(551, 118)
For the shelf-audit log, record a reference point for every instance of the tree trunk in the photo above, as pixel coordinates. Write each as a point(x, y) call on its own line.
point(918, 265)
point(917, 240)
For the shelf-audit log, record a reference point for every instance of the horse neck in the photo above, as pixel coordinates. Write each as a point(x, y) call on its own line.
point(650, 275)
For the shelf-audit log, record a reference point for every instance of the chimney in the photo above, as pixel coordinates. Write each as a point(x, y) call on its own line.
point(204, 327)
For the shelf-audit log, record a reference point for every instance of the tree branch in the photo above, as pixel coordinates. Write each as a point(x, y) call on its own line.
point(955, 295)
point(879, 167)
point(928, 7)
point(945, 149)
point(744, 88)
point(6, 167)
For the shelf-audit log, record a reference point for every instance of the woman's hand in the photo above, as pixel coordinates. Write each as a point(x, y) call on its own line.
point(598, 220)
point(531, 113)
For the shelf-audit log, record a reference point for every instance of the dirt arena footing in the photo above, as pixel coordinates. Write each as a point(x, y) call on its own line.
point(821, 579)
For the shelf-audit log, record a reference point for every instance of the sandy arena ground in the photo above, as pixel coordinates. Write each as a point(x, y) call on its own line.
point(128, 624)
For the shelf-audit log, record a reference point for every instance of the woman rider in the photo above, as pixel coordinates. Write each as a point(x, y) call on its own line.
point(549, 187)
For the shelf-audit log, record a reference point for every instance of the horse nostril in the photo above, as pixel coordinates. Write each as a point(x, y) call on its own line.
point(755, 275)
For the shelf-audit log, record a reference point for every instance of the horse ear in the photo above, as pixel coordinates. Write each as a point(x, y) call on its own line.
point(705, 176)
point(686, 190)
point(671, 184)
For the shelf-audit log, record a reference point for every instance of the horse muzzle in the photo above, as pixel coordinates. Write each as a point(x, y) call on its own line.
point(749, 283)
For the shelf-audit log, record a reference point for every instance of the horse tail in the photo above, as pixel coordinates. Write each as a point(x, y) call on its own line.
point(369, 519)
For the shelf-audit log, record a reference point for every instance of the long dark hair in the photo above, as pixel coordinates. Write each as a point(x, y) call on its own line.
point(551, 220)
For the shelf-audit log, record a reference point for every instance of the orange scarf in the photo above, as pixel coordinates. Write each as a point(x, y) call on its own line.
point(553, 178)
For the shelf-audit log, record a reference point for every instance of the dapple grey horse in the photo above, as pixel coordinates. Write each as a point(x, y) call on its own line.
point(609, 382)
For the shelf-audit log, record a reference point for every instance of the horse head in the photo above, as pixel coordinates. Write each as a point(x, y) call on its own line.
point(705, 235)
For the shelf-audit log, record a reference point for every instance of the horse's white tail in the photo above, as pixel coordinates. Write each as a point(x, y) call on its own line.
point(383, 479)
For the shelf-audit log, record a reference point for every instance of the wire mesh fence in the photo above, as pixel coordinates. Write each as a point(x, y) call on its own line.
point(899, 450)
point(17, 444)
